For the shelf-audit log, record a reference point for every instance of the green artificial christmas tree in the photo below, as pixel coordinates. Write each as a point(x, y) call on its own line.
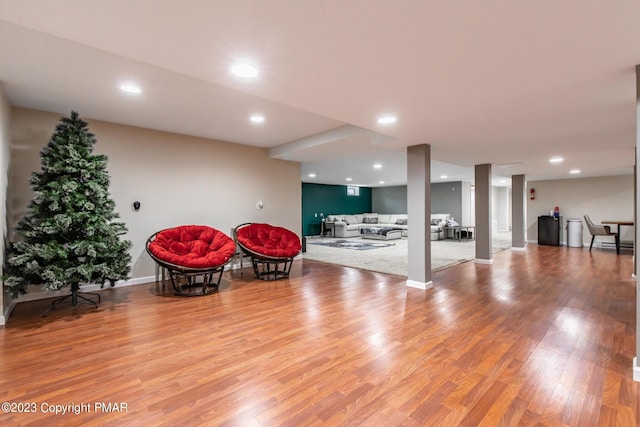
point(68, 235)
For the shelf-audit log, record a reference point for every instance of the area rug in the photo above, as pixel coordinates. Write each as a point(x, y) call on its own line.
point(394, 259)
point(358, 245)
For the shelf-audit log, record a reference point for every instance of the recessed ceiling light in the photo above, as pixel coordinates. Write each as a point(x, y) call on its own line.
point(377, 166)
point(257, 118)
point(387, 120)
point(349, 179)
point(130, 88)
point(245, 71)
point(312, 175)
point(574, 171)
point(380, 182)
point(556, 160)
point(443, 177)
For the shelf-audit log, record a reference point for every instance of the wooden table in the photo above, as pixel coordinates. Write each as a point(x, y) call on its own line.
point(619, 224)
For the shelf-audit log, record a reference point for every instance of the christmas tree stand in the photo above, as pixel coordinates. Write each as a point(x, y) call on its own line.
point(74, 295)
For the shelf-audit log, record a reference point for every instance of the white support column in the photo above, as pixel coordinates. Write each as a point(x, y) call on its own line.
point(419, 214)
point(484, 252)
point(518, 201)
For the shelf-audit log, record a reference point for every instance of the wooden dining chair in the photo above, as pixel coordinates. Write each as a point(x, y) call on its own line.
point(601, 230)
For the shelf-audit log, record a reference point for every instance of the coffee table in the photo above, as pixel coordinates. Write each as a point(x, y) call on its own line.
point(381, 233)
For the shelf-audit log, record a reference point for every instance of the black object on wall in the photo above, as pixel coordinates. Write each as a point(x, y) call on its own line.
point(549, 230)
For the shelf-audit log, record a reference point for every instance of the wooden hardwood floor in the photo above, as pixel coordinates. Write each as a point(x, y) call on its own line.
point(544, 337)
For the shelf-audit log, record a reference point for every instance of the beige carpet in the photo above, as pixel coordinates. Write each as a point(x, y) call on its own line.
point(394, 259)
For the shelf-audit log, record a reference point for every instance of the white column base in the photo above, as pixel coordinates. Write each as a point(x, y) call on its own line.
point(420, 285)
point(483, 261)
point(518, 249)
point(636, 370)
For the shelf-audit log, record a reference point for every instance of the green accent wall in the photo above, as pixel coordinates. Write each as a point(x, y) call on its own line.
point(330, 200)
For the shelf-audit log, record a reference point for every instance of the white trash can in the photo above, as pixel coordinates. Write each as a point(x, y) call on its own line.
point(574, 233)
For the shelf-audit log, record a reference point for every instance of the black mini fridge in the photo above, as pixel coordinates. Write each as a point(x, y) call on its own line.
point(549, 230)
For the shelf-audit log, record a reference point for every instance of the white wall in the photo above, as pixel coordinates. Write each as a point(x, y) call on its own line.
point(602, 198)
point(501, 208)
point(466, 218)
point(177, 179)
point(5, 142)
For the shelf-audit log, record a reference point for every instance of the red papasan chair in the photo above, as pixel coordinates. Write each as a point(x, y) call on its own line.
point(271, 249)
point(193, 255)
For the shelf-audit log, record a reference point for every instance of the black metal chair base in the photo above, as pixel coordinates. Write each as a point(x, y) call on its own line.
point(192, 284)
point(270, 269)
point(617, 240)
point(75, 297)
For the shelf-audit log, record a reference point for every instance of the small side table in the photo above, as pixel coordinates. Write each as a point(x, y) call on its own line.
point(470, 230)
point(327, 227)
point(457, 231)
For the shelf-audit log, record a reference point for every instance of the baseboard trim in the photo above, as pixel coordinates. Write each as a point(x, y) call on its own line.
point(419, 285)
point(518, 249)
point(636, 370)
point(7, 311)
point(484, 261)
point(235, 264)
point(33, 294)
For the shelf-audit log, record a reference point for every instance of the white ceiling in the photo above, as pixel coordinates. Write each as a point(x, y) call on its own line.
point(501, 82)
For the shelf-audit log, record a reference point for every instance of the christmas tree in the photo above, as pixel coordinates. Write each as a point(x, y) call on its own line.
point(69, 235)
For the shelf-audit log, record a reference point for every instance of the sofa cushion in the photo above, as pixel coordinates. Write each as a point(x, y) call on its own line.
point(402, 221)
point(370, 220)
point(192, 246)
point(359, 218)
point(395, 217)
point(384, 219)
point(351, 219)
point(269, 240)
point(440, 219)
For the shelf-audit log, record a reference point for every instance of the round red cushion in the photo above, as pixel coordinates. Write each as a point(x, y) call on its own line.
point(269, 240)
point(193, 246)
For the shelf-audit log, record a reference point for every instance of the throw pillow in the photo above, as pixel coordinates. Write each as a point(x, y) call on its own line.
point(402, 222)
point(370, 220)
